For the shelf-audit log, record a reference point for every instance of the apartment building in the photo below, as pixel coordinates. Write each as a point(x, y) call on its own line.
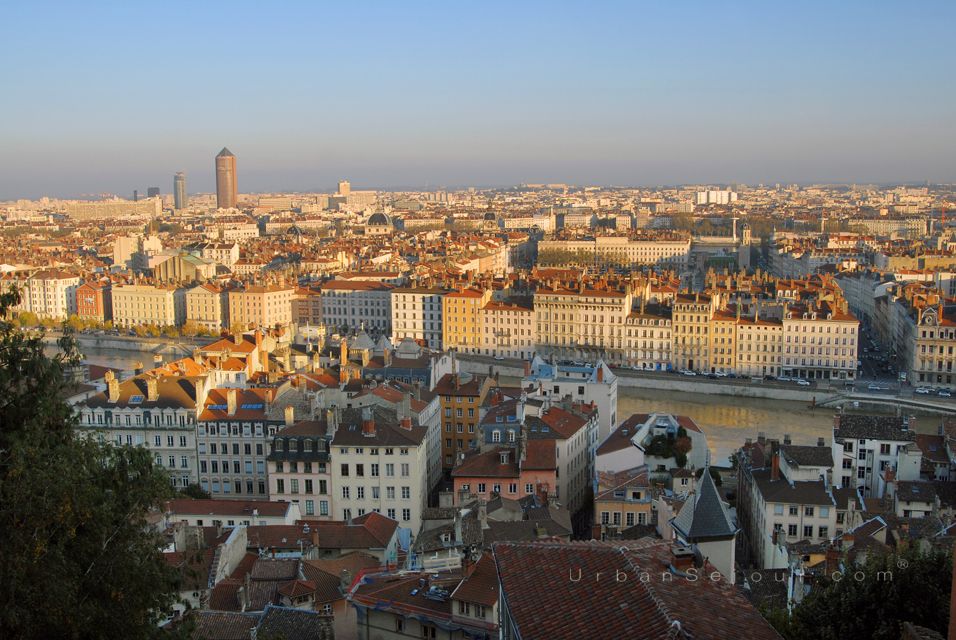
point(870, 450)
point(156, 410)
point(788, 501)
point(349, 305)
point(380, 463)
point(52, 293)
point(461, 396)
point(759, 346)
point(299, 468)
point(307, 307)
point(659, 250)
point(507, 329)
point(528, 468)
point(417, 314)
point(691, 323)
point(648, 338)
point(235, 428)
point(94, 300)
point(138, 304)
point(573, 429)
point(587, 384)
point(207, 305)
point(588, 322)
point(820, 341)
point(623, 499)
point(261, 305)
point(461, 319)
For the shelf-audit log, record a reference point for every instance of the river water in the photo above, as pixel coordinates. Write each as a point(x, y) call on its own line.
point(727, 421)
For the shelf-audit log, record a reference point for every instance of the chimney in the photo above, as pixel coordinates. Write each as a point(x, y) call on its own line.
point(682, 558)
point(418, 389)
point(483, 514)
point(345, 581)
point(237, 339)
point(406, 423)
point(289, 415)
point(387, 357)
point(112, 386)
point(821, 442)
point(231, 402)
point(775, 464)
point(137, 368)
point(331, 420)
point(600, 373)
point(368, 423)
point(527, 368)
point(152, 389)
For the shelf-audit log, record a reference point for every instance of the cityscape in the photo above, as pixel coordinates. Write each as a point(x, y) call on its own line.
point(430, 391)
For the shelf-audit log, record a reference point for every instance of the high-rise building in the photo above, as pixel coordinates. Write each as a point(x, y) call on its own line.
point(135, 195)
point(226, 187)
point(181, 201)
point(344, 188)
point(152, 192)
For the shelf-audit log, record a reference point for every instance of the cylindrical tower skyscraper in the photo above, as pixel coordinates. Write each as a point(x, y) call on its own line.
point(180, 200)
point(227, 190)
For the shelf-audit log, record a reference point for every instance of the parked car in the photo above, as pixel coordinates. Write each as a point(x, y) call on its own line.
point(803, 383)
point(944, 393)
point(688, 372)
point(873, 386)
point(720, 374)
point(497, 357)
point(923, 390)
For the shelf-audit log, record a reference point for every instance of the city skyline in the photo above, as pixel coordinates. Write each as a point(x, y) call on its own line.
point(397, 97)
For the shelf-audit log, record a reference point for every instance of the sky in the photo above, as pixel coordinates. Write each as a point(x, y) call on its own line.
point(114, 96)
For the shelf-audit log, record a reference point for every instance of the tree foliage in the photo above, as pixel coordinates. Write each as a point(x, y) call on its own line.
point(874, 603)
point(79, 560)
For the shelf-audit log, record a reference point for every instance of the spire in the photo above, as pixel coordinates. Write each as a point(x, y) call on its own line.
point(225, 153)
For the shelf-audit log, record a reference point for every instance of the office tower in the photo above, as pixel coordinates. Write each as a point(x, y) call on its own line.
point(226, 188)
point(179, 191)
point(344, 188)
point(152, 192)
point(135, 195)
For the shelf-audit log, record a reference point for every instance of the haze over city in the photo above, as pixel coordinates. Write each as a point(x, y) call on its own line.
point(105, 98)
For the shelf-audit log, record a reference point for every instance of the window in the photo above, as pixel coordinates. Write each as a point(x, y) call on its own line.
point(360, 470)
point(481, 487)
point(405, 470)
point(808, 511)
point(390, 493)
point(429, 632)
point(407, 516)
point(406, 493)
point(824, 532)
point(374, 470)
point(824, 512)
point(808, 531)
point(280, 485)
point(309, 507)
point(295, 485)
point(345, 470)
point(346, 493)
point(792, 530)
point(778, 509)
point(529, 488)
point(629, 519)
point(605, 517)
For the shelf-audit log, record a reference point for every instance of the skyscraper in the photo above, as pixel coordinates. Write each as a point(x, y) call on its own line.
point(344, 188)
point(179, 191)
point(152, 192)
point(227, 192)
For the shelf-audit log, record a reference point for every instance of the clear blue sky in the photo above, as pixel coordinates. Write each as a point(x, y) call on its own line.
point(112, 96)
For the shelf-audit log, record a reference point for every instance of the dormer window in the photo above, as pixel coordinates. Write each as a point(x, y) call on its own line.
point(293, 445)
point(503, 456)
point(278, 444)
point(496, 436)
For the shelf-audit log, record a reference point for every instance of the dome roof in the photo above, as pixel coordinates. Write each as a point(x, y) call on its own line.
point(491, 216)
point(378, 219)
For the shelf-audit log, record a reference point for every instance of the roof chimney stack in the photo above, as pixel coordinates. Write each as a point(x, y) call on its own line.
point(368, 423)
point(231, 402)
point(152, 389)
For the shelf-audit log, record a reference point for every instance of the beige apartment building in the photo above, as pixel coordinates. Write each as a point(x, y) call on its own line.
point(207, 305)
point(583, 322)
point(138, 304)
point(691, 316)
point(52, 293)
point(417, 314)
point(261, 305)
point(820, 341)
point(507, 329)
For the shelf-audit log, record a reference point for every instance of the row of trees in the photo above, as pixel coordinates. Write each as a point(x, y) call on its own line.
point(28, 319)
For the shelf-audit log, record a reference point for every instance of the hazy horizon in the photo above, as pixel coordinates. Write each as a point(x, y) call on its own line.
point(112, 98)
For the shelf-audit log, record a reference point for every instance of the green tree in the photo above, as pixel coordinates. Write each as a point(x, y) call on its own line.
point(874, 603)
point(79, 560)
point(194, 491)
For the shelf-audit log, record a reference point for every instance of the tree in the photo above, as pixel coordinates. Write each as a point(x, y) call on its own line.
point(79, 560)
point(194, 491)
point(875, 599)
